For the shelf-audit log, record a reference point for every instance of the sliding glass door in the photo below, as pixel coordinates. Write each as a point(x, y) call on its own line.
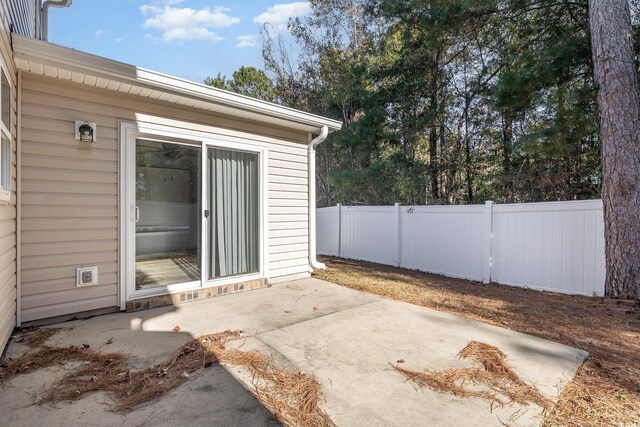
point(193, 213)
point(167, 213)
point(234, 218)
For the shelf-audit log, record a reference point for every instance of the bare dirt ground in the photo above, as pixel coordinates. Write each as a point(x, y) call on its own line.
point(605, 390)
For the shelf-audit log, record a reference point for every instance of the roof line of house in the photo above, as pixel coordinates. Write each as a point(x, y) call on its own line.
point(28, 51)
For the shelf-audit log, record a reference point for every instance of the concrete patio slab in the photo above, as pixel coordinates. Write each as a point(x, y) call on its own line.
point(346, 338)
point(213, 398)
point(351, 353)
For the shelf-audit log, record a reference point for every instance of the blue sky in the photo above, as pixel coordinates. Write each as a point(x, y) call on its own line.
point(191, 39)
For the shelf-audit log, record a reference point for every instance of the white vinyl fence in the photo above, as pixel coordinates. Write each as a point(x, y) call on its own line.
point(556, 246)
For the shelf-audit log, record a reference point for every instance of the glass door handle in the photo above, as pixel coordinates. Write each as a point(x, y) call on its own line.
point(136, 213)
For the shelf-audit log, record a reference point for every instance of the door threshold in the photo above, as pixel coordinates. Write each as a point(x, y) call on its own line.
point(145, 303)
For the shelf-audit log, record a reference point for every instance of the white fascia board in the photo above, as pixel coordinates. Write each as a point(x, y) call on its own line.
point(32, 51)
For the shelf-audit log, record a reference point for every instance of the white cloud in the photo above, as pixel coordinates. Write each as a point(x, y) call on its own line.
point(247, 41)
point(278, 15)
point(153, 39)
point(99, 33)
point(180, 24)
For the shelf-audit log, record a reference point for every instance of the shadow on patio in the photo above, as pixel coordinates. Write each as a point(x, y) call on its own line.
point(92, 366)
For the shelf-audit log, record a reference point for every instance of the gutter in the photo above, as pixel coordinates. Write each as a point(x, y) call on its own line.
point(45, 14)
point(27, 51)
point(313, 143)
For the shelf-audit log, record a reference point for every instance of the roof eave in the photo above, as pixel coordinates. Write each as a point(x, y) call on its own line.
point(29, 53)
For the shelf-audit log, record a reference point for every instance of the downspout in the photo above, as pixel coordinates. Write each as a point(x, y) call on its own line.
point(19, 204)
point(45, 14)
point(313, 143)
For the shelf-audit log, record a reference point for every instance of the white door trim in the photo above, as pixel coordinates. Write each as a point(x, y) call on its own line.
point(128, 133)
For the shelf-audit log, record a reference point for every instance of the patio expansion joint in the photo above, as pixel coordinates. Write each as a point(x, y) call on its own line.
point(277, 354)
point(283, 327)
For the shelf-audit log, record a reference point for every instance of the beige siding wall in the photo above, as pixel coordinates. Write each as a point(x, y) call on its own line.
point(70, 192)
point(8, 210)
point(25, 17)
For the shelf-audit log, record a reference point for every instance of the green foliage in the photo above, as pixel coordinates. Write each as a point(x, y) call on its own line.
point(446, 101)
point(392, 177)
point(247, 81)
point(219, 82)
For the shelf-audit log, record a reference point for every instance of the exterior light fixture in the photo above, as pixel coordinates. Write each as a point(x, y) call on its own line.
point(85, 131)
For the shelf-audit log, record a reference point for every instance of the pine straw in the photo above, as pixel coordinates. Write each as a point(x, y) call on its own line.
point(44, 357)
point(106, 372)
point(36, 337)
point(293, 397)
point(606, 388)
point(493, 379)
point(129, 389)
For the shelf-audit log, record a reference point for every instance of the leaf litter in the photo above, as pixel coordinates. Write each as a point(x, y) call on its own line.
point(492, 378)
point(293, 397)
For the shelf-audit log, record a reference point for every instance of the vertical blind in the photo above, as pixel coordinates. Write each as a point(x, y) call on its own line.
point(235, 211)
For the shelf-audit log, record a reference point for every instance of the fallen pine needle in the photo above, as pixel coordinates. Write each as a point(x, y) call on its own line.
point(493, 379)
point(606, 388)
point(292, 397)
point(36, 337)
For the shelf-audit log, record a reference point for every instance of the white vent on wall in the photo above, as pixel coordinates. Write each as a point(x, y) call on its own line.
point(86, 276)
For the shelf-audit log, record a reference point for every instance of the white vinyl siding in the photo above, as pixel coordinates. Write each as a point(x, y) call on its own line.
point(8, 296)
point(70, 190)
point(25, 17)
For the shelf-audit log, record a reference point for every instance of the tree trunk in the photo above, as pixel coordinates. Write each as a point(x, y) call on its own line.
point(507, 144)
point(434, 106)
point(433, 162)
point(619, 104)
point(469, 171)
point(444, 154)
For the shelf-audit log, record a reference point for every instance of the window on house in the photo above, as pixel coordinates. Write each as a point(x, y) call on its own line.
point(5, 136)
point(5, 104)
